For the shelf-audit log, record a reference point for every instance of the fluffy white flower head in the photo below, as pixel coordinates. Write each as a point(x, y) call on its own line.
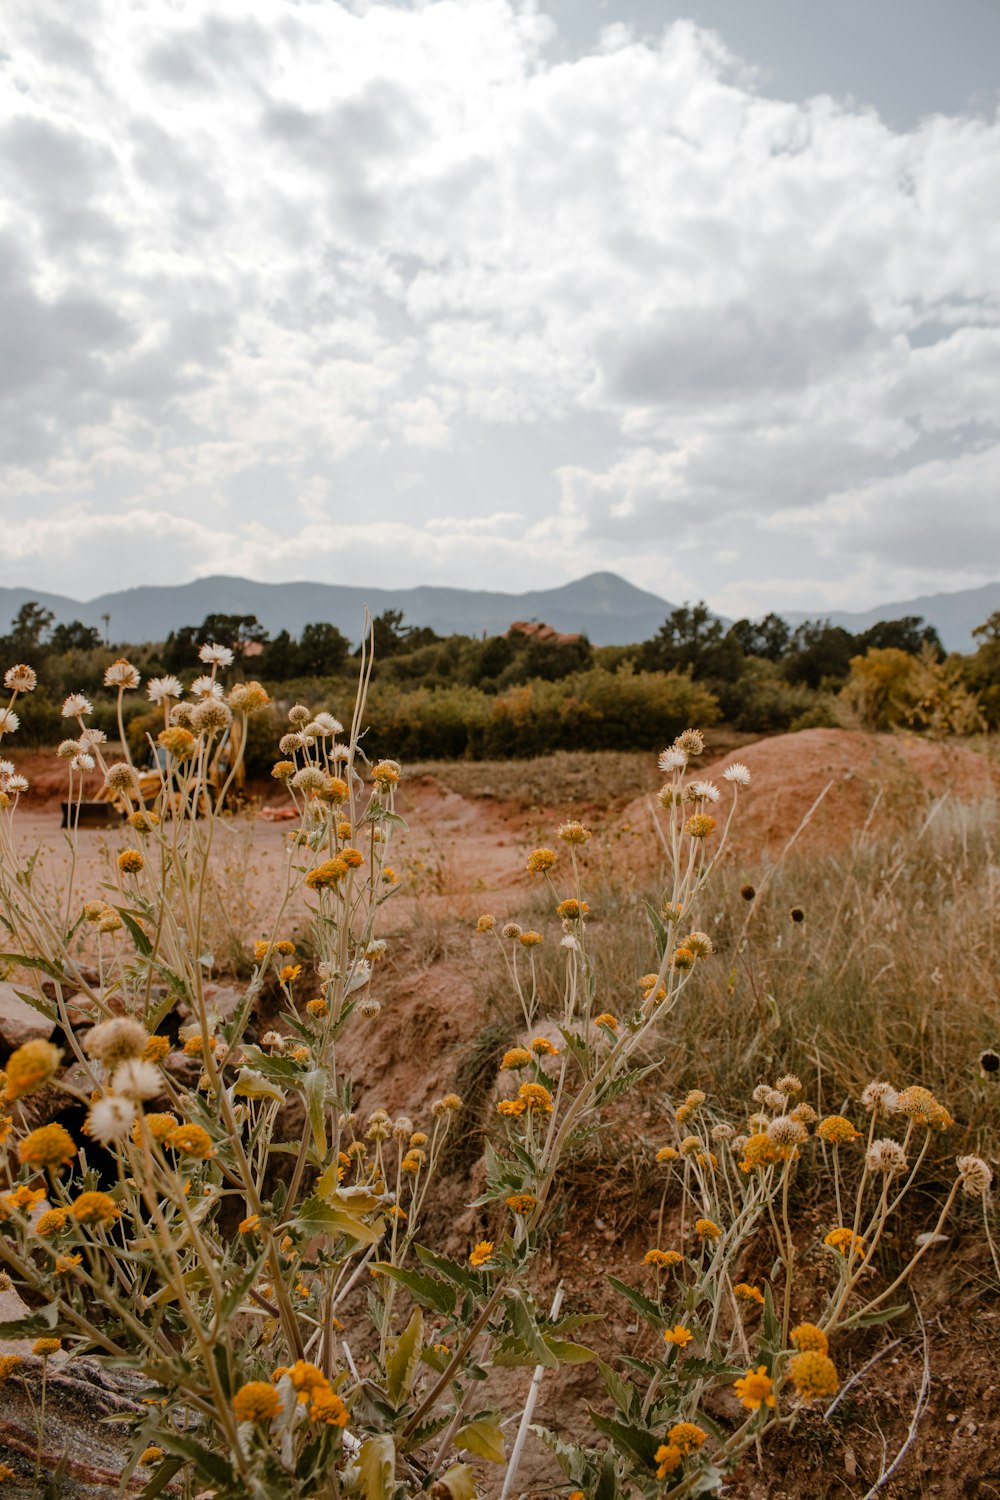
point(75, 705)
point(159, 688)
point(218, 656)
point(110, 1119)
point(737, 773)
point(673, 759)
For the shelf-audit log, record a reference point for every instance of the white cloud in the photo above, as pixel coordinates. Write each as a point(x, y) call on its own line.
point(284, 278)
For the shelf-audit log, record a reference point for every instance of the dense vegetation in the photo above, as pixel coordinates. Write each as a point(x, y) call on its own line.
point(520, 694)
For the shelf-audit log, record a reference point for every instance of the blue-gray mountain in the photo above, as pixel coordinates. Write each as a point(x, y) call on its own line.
point(607, 608)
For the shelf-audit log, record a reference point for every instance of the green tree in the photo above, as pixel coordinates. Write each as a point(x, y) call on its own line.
point(322, 650)
point(28, 629)
point(693, 639)
point(75, 637)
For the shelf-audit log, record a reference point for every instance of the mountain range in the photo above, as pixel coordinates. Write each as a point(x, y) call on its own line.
point(604, 606)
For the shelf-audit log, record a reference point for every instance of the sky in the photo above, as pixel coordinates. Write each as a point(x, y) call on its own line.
point(497, 294)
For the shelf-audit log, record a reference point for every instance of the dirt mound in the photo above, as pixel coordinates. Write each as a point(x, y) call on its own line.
point(858, 775)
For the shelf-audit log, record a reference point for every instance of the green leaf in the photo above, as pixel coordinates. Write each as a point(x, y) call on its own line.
point(207, 1464)
point(164, 1473)
point(622, 1392)
point(569, 1456)
point(377, 1462)
point(317, 1217)
point(460, 1482)
point(451, 1270)
point(882, 1316)
point(24, 962)
point(131, 920)
point(607, 1483)
point(33, 1326)
point(568, 1353)
point(661, 933)
point(770, 1327)
point(402, 1358)
point(428, 1292)
point(253, 1085)
point(628, 1437)
point(643, 1305)
point(483, 1439)
point(527, 1330)
point(313, 1089)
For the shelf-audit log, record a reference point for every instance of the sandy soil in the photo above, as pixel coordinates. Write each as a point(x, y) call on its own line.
point(466, 854)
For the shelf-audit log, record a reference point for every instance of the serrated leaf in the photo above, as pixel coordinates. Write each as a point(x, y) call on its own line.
point(207, 1465)
point(569, 1456)
point(661, 934)
point(23, 961)
point(401, 1361)
point(317, 1217)
point(566, 1352)
point(428, 1292)
point(622, 1392)
point(138, 933)
point(628, 1437)
point(650, 1310)
point(377, 1464)
point(483, 1439)
point(451, 1270)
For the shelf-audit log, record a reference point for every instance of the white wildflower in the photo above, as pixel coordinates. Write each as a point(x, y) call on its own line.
point(159, 688)
point(9, 721)
point(737, 773)
point(672, 759)
point(20, 679)
point(75, 705)
point(110, 1119)
point(218, 656)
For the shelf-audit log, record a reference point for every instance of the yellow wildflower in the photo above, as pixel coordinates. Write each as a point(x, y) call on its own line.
point(30, 1066)
point(520, 1203)
point(687, 1436)
point(130, 861)
point(52, 1221)
point(813, 1374)
point(256, 1402)
point(747, 1293)
point(540, 860)
point(837, 1129)
point(755, 1389)
point(94, 1208)
point(807, 1337)
point(150, 1456)
point(668, 1458)
point(662, 1259)
point(327, 875)
point(844, 1240)
point(482, 1253)
point(191, 1140)
point(707, 1229)
point(44, 1347)
point(49, 1146)
point(678, 1335)
point(572, 910)
point(516, 1057)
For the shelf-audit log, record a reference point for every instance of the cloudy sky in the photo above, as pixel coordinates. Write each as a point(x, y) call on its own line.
point(493, 294)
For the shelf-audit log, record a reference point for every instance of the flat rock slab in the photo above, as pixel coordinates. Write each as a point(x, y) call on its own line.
point(20, 1022)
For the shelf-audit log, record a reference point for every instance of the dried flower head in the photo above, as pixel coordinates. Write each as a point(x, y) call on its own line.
point(20, 678)
point(110, 1119)
point(737, 773)
point(837, 1129)
point(111, 1042)
point(975, 1176)
point(886, 1157)
point(573, 833)
point(880, 1099)
point(540, 860)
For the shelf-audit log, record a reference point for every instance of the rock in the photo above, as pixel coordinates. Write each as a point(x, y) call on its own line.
point(20, 1022)
point(222, 1000)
